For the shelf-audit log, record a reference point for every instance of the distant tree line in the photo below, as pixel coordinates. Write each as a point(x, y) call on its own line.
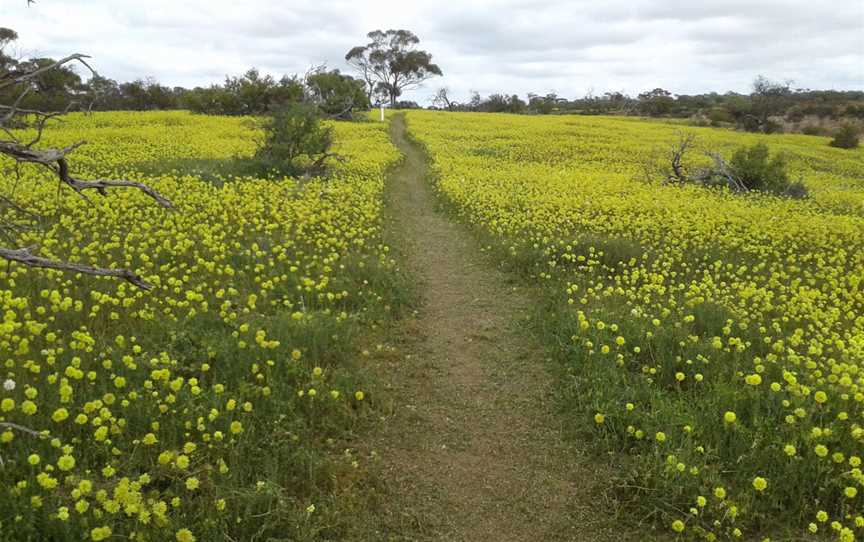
point(252, 93)
point(388, 65)
point(336, 95)
point(770, 106)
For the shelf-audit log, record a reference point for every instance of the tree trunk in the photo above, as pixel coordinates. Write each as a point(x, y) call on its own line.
point(393, 89)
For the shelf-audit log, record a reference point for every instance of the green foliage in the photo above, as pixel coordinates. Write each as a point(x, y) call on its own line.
point(390, 63)
point(498, 103)
point(336, 94)
point(769, 98)
point(757, 170)
point(846, 137)
point(796, 190)
point(295, 142)
point(751, 169)
point(138, 95)
point(542, 105)
point(656, 102)
point(48, 91)
point(292, 142)
point(7, 36)
point(249, 94)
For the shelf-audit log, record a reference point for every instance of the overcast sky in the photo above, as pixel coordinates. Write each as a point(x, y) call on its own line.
point(569, 47)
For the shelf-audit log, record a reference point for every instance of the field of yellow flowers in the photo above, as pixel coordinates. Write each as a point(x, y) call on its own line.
point(212, 407)
point(715, 341)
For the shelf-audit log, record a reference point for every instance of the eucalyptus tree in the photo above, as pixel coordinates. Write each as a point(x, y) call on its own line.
point(390, 63)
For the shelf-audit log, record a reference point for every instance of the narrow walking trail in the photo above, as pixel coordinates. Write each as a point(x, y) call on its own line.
point(471, 449)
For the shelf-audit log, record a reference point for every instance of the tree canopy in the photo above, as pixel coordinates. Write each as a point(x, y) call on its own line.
point(391, 64)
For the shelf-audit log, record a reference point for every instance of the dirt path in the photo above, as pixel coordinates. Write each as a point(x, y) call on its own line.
point(470, 450)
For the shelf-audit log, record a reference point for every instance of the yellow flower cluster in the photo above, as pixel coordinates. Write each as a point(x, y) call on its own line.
point(731, 328)
point(156, 409)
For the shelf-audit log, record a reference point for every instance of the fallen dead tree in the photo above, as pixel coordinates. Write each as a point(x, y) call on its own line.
point(18, 83)
point(750, 169)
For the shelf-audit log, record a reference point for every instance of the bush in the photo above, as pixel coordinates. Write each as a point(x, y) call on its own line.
point(749, 123)
point(846, 137)
point(719, 116)
point(750, 169)
point(756, 170)
point(295, 142)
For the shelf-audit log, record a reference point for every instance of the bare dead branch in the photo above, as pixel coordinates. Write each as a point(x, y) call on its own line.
point(345, 113)
point(101, 184)
point(676, 170)
point(17, 77)
point(13, 109)
point(25, 256)
point(442, 100)
point(43, 119)
point(318, 165)
point(10, 425)
point(722, 169)
point(55, 160)
point(46, 157)
point(676, 156)
point(15, 207)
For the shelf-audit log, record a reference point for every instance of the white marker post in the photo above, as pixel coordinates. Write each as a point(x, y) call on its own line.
point(382, 113)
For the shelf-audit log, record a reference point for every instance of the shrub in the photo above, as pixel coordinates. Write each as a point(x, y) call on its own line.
point(750, 169)
point(749, 123)
point(295, 142)
point(718, 116)
point(756, 170)
point(846, 137)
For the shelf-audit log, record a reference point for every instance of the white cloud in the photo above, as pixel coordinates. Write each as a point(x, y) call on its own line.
point(485, 45)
